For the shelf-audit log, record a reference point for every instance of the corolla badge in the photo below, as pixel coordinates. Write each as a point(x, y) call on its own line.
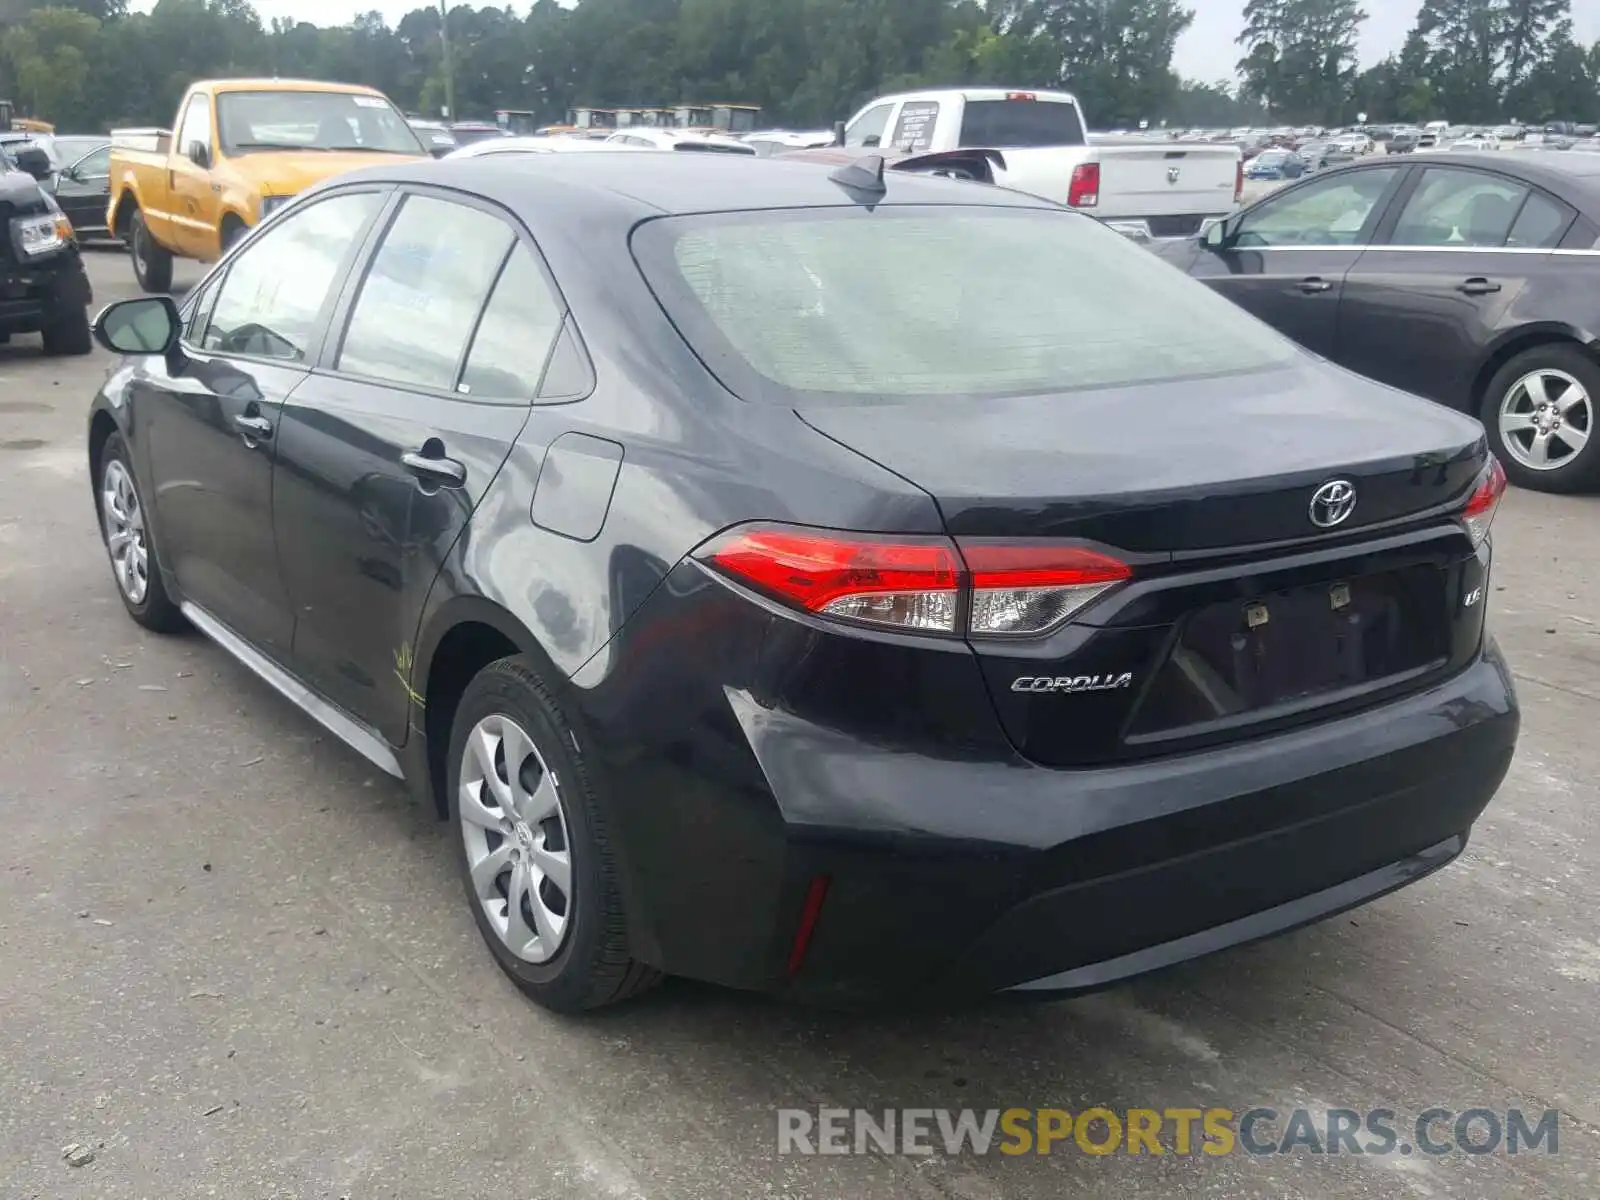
point(1332, 503)
point(1072, 683)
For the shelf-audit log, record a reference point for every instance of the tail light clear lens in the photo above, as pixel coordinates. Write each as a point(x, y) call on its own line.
point(1083, 190)
point(1028, 589)
point(1478, 515)
point(917, 584)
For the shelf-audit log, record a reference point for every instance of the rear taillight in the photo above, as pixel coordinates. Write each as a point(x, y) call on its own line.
point(1478, 515)
point(917, 584)
point(1238, 182)
point(908, 583)
point(1084, 189)
point(1028, 589)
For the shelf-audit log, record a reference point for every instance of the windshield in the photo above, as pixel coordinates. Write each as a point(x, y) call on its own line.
point(852, 304)
point(1006, 124)
point(252, 121)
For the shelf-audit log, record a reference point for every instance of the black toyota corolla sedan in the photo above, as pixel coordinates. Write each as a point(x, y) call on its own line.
point(1467, 278)
point(810, 582)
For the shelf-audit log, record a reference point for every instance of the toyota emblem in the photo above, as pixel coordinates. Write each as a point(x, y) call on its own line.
point(1172, 174)
point(1332, 503)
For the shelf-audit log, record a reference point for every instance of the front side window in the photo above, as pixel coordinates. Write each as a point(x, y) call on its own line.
point(1453, 207)
point(868, 128)
point(275, 291)
point(94, 166)
point(423, 292)
point(913, 128)
point(1339, 211)
point(255, 121)
point(846, 304)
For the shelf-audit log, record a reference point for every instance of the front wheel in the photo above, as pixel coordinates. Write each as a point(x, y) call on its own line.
point(124, 528)
point(152, 262)
point(1539, 412)
point(533, 848)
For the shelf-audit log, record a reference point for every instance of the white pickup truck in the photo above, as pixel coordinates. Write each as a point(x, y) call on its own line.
point(1147, 190)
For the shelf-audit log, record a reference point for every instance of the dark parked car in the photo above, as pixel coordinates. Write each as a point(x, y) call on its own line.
point(43, 286)
point(1467, 278)
point(83, 190)
point(1275, 164)
point(815, 582)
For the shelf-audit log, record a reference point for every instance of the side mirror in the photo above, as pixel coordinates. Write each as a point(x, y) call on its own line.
point(147, 325)
point(1217, 235)
point(200, 154)
point(34, 161)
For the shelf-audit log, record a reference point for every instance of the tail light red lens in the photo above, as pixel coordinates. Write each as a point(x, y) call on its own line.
point(906, 583)
point(1083, 191)
point(917, 584)
point(1478, 515)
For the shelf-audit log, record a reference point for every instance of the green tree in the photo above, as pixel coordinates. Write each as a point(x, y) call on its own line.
point(1465, 38)
point(1300, 56)
point(48, 56)
point(1529, 28)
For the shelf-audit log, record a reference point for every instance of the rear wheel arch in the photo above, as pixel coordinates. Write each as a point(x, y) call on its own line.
point(127, 205)
point(1523, 340)
point(460, 640)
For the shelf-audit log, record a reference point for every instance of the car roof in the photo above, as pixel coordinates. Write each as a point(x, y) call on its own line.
point(632, 187)
point(285, 85)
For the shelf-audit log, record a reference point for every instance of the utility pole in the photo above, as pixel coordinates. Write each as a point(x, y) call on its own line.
point(449, 72)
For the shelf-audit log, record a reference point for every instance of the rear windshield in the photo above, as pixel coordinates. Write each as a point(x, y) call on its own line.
point(1020, 123)
point(852, 304)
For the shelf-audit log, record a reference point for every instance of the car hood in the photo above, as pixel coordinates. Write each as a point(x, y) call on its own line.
point(18, 187)
point(289, 172)
point(1186, 465)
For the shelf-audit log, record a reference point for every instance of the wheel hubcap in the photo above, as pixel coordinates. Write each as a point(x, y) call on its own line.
point(1546, 418)
point(514, 826)
point(125, 540)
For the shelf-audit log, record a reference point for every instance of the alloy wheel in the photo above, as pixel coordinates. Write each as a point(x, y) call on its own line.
point(514, 828)
point(125, 536)
point(1546, 418)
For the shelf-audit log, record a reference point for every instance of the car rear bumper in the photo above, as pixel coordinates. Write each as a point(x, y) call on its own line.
point(961, 878)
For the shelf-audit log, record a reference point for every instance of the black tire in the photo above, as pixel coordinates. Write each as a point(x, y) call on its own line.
point(155, 610)
point(152, 262)
point(593, 967)
point(1577, 471)
point(68, 334)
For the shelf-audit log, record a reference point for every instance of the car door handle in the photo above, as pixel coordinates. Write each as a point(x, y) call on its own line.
point(255, 429)
point(1478, 287)
point(1314, 285)
point(435, 469)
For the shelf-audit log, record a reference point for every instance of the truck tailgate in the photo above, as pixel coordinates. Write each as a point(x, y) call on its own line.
point(1166, 180)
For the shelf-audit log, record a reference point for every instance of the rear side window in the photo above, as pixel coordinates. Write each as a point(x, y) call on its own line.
point(1021, 123)
point(1456, 207)
point(1540, 224)
point(919, 302)
point(913, 128)
point(513, 339)
point(423, 292)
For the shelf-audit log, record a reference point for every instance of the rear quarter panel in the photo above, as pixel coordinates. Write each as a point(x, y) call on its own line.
point(143, 175)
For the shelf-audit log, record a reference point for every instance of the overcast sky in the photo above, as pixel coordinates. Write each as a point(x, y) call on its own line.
point(1207, 52)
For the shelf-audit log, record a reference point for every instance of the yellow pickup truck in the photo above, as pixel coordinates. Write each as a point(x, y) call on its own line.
point(240, 149)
